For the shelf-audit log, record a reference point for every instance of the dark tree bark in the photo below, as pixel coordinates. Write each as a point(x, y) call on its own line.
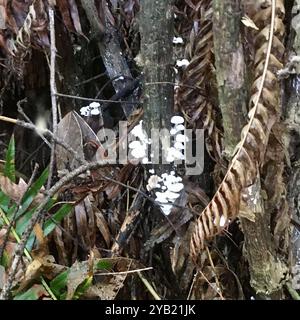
point(292, 120)
point(229, 60)
point(156, 27)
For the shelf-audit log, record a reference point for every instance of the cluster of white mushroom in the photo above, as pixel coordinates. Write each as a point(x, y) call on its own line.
point(92, 109)
point(182, 63)
point(138, 148)
point(170, 187)
point(177, 151)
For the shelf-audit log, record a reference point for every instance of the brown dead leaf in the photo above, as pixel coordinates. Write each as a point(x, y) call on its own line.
point(42, 249)
point(82, 225)
point(16, 191)
point(103, 227)
point(69, 132)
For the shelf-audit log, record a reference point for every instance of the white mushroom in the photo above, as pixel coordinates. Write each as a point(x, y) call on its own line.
point(176, 187)
point(94, 105)
point(181, 138)
point(177, 120)
point(182, 63)
point(179, 145)
point(177, 40)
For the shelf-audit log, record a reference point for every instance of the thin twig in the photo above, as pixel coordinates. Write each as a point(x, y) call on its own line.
point(96, 100)
point(21, 111)
point(192, 286)
point(52, 89)
point(216, 290)
point(215, 271)
point(91, 79)
point(122, 272)
point(110, 81)
point(149, 287)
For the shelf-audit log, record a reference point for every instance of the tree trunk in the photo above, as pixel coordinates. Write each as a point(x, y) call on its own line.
point(156, 27)
point(265, 269)
point(229, 60)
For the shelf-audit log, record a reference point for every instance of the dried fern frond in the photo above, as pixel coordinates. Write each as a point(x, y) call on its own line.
point(34, 29)
point(196, 80)
point(264, 105)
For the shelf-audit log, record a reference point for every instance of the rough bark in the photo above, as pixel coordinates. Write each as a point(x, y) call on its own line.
point(292, 119)
point(266, 271)
point(156, 27)
point(229, 60)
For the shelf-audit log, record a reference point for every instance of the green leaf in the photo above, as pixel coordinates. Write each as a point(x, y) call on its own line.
point(50, 224)
point(34, 293)
point(4, 201)
point(32, 192)
point(23, 221)
point(31, 238)
point(5, 259)
point(104, 265)
point(9, 167)
point(59, 283)
point(81, 289)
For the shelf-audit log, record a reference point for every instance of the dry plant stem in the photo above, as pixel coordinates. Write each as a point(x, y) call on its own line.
point(192, 286)
point(149, 286)
point(91, 79)
point(294, 294)
point(12, 221)
point(52, 89)
point(123, 272)
point(216, 276)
